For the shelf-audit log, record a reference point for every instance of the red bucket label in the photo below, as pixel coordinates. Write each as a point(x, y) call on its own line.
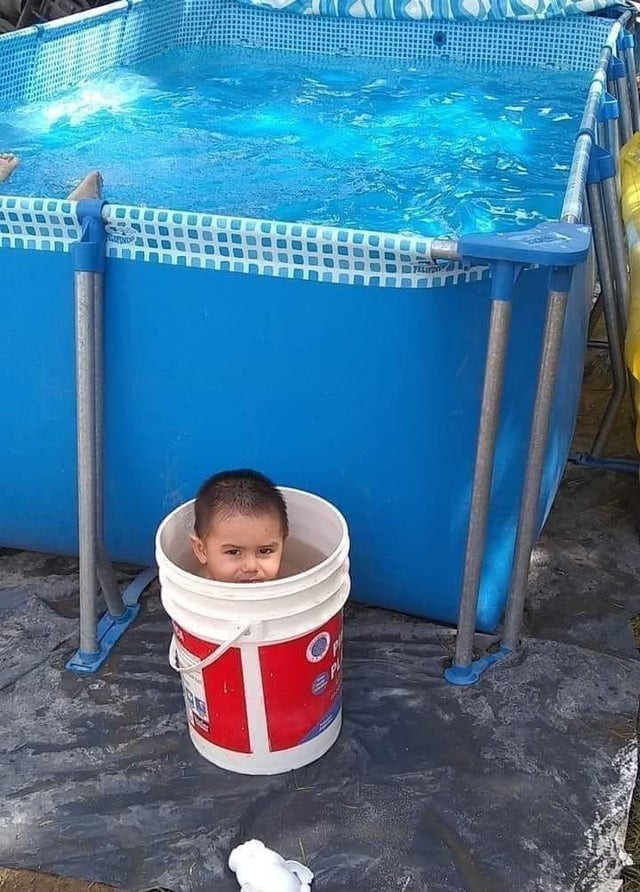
point(298, 693)
point(302, 685)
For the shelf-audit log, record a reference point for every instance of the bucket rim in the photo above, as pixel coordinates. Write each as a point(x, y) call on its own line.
point(225, 589)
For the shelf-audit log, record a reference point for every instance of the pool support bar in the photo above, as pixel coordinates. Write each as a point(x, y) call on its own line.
point(96, 639)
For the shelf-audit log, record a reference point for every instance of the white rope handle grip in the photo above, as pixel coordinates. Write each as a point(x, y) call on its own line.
point(220, 652)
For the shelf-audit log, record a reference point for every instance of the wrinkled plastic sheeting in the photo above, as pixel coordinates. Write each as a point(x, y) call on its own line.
point(521, 782)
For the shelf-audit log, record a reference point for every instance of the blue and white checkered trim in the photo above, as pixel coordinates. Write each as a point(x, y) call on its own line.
point(272, 248)
point(38, 224)
point(236, 244)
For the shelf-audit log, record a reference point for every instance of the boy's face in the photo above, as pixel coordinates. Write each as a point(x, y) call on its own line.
point(241, 548)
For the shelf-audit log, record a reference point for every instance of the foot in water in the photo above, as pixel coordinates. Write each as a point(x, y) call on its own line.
point(8, 164)
point(90, 187)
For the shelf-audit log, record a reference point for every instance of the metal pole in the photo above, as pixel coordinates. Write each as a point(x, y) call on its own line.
point(608, 301)
point(626, 125)
point(527, 521)
point(602, 135)
point(618, 247)
point(595, 317)
point(106, 574)
point(483, 474)
point(86, 436)
point(630, 62)
point(613, 140)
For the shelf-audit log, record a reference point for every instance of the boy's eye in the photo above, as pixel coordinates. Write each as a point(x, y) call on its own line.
point(266, 551)
point(233, 551)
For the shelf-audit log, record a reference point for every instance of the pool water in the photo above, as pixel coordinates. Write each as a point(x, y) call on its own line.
point(433, 149)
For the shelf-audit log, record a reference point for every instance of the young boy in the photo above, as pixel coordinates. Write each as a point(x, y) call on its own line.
point(240, 527)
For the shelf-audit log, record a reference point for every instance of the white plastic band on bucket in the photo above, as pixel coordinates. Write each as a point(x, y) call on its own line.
point(275, 702)
point(208, 661)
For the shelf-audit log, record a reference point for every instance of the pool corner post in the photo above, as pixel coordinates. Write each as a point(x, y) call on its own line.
point(96, 638)
point(560, 278)
point(601, 167)
point(464, 670)
point(559, 247)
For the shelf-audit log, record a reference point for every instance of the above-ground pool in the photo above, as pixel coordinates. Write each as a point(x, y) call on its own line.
point(336, 360)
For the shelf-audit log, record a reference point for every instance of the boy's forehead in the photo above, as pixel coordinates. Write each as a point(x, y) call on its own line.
point(267, 524)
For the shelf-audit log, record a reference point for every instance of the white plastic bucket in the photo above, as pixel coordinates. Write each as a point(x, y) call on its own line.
point(261, 663)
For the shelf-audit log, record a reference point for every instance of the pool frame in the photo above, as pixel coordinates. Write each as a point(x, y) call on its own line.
point(553, 257)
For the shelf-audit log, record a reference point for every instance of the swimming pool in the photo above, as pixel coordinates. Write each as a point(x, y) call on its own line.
point(345, 362)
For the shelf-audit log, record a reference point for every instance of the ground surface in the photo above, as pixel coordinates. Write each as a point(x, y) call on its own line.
point(521, 782)
point(30, 881)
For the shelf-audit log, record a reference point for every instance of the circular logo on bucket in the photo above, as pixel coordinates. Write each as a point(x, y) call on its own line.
point(320, 683)
point(317, 649)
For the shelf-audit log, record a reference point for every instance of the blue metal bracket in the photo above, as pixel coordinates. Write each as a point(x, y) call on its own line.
point(609, 108)
point(111, 629)
point(601, 165)
point(620, 465)
point(625, 41)
point(503, 278)
point(466, 675)
point(617, 69)
point(548, 244)
point(560, 279)
point(89, 251)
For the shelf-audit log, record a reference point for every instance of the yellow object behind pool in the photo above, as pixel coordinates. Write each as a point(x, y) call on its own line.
point(630, 188)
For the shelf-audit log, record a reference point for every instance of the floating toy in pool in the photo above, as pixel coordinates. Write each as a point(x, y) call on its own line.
point(259, 869)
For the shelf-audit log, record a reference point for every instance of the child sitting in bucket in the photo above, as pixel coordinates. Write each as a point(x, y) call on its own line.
point(240, 527)
point(89, 187)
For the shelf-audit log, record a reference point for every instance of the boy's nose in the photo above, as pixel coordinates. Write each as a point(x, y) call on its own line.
point(250, 563)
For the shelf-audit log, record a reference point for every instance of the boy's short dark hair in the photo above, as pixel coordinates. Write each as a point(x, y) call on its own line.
point(238, 492)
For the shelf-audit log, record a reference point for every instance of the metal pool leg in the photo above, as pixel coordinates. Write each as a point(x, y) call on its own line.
point(610, 112)
point(618, 246)
point(618, 73)
point(626, 44)
point(611, 318)
point(464, 671)
point(96, 641)
point(85, 373)
point(528, 519)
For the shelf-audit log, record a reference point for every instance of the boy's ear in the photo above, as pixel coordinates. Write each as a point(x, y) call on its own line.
point(198, 548)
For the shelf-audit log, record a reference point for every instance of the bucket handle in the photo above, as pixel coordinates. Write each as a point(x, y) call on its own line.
point(221, 651)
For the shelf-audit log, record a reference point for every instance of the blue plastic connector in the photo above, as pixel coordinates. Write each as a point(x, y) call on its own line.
point(548, 244)
point(466, 675)
point(111, 629)
point(503, 277)
point(601, 165)
point(609, 108)
point(89, 252)
point(625, 41)
point(560, 279)
point(617, 69)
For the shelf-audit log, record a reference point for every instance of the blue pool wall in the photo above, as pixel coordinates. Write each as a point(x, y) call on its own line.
point(358, 377)
point(367, 396)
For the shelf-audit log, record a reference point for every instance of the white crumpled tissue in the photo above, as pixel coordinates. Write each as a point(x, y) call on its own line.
point(259, 869)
